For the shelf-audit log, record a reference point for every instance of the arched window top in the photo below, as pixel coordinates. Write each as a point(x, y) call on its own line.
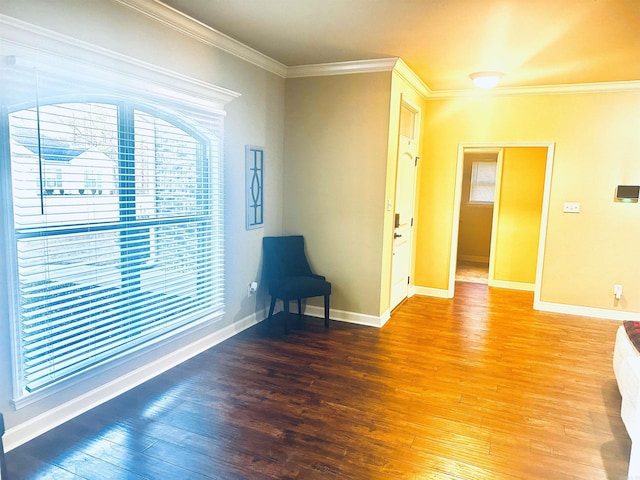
point(82, 106)
point(91, 148)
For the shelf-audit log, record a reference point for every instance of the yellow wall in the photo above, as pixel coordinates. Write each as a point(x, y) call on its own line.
point(336, 133)
point(519, 213)
point(597, 146)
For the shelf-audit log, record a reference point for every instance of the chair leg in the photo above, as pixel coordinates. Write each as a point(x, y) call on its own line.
point(326, 311)
point(299, 313)
point(271, 307)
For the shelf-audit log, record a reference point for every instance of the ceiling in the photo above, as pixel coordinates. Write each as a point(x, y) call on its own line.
point(534, 42)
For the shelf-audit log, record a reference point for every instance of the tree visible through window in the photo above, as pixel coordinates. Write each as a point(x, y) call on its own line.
point(117, 233)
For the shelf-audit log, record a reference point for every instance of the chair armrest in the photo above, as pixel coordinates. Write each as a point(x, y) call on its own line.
point(319, 277)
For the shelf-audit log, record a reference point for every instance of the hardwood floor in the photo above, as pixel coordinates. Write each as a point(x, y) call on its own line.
point(480, 387)
point(472, 272)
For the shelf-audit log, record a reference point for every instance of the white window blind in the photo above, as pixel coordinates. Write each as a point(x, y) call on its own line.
point(483, 182)
point(118, 225)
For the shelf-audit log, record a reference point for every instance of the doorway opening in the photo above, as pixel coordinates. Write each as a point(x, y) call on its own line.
point(502, 199)
point(476, 214)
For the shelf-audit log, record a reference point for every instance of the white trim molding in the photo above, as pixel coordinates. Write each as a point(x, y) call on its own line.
point(342, 68)
point(22, 433)
point(481, 260)
point(405, 72)
point(433, 292)
point(602, 87)
point(349, 317)
point(203, 33)
point(603, 313)
point(527, 287)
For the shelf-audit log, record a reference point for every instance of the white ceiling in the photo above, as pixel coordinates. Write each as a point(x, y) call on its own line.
point(534, 42)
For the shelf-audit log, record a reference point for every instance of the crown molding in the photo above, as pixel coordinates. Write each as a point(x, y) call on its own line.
point(404, 71)
point(187, 25)
point(602, 87)
point(29, 43)
point(342, 68)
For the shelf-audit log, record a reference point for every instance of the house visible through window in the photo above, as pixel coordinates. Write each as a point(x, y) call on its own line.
point(483, 182)
point(117, 227)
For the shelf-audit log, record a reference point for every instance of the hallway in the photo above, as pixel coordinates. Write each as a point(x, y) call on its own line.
point(472, 272)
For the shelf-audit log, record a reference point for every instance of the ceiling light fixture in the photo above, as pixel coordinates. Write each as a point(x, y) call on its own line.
point(486, 79)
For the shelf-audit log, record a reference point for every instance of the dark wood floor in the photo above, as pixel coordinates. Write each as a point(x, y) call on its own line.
point(480, 387)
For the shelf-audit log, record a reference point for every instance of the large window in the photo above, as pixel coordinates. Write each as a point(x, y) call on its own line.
point(114, 231)
point(115, 206)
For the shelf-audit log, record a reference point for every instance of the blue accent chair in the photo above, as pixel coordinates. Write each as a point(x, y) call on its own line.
point(289, 277)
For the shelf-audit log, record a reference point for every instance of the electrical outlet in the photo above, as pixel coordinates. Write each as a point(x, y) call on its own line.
point(617, 290)
point(571, 207)
point(252, 288)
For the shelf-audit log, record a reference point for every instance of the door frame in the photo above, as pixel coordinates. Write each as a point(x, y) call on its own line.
point(497, 154)
point(550, 146)
point(418, 134)
point(494, 220)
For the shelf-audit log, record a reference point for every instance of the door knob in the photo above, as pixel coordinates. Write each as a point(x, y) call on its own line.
point(396, 235)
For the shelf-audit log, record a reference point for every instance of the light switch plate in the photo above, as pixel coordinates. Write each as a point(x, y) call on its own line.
point(571, 207)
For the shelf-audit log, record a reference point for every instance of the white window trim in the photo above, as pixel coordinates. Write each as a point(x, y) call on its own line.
point(481, 160)
point(27, 44)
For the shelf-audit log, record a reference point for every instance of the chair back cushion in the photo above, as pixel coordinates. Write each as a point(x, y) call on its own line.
point(283, 257)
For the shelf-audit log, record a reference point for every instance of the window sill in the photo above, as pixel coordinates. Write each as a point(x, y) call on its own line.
point(480, 204)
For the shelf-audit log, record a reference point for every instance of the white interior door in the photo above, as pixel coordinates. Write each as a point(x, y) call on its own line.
point(404, 205)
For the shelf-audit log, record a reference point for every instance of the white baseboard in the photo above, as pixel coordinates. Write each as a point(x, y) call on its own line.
point(22, 433)
point(384, 318)
point(528, 287)
point(604, 313)
point(433, 292)
point(474, 259)
point(349, 317)
point(547, 306)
